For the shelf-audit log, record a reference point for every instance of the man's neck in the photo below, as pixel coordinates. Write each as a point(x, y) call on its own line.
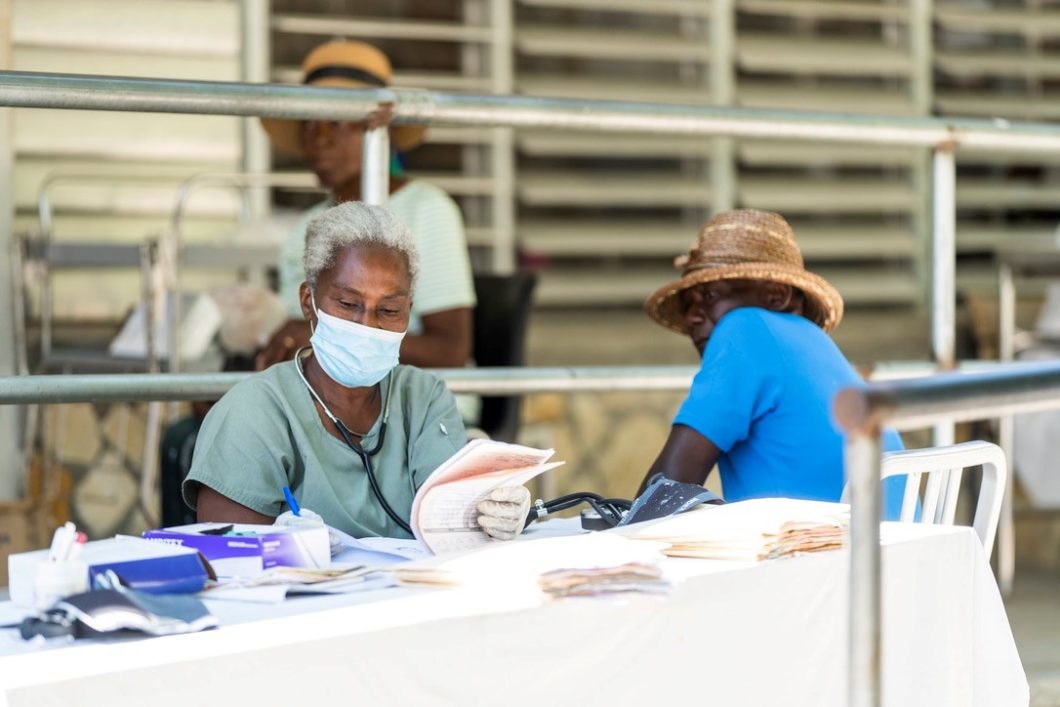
point(351, 190)
point(348, 191)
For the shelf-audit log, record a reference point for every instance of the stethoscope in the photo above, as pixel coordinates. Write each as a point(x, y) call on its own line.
point(365, 455)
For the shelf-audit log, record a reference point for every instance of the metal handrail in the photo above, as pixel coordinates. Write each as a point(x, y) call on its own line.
point(1006, 389)
point(26, 89)
point(139, 387)
point(149, 387)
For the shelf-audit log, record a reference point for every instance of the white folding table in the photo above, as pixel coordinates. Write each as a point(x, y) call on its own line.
point(771, 633)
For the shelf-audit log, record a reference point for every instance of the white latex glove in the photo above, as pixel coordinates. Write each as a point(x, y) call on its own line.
point(309, 519)
point(503, 512)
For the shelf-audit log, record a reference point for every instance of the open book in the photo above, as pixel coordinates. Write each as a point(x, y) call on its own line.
point(444, 516)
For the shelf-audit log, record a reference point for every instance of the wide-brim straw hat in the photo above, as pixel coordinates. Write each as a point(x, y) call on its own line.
point(746, 244)
point(342, 65)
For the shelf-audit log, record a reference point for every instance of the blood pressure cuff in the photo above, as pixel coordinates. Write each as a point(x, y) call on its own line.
point(112, 612)
point(666, 497)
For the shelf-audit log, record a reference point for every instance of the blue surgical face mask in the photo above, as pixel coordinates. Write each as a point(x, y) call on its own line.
point(353, 355)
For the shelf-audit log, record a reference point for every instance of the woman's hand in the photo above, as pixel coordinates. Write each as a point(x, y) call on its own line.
point(310, 519)
point(503, 513)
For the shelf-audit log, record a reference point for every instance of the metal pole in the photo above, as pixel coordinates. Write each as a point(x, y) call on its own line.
point(944, 264)
point(862, 462)
point(375, 166)
point(723, 92)
point(921, 84)
point(989, 393)
point(9, 417)
point(254, 68)
point(920, 49)
point(1006, 329)
point(209, 386)
point(502, 157)
point(515, 381)
point(420, 107)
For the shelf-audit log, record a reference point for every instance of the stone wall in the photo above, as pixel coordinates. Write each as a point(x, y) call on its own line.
point(98, 452)
point(608, 440)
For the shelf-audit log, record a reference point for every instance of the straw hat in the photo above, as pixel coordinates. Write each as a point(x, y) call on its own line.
point(342, 65)
point(746, 244)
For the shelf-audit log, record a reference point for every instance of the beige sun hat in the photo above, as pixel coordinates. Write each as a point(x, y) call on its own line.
point(746, 244)
point(342, 65)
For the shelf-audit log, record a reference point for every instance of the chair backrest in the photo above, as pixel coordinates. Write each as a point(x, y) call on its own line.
point(944, 466)
point(501, 316)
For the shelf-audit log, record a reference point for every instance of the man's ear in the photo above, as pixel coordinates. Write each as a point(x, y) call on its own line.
point(306, 300)
point(778, 296)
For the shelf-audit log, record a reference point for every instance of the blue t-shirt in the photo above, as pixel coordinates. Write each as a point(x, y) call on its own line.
point(763, 396)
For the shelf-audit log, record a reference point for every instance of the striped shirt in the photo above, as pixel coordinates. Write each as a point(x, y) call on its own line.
point(435, 222)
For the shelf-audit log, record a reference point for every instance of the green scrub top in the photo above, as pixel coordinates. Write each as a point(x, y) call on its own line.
point(265, 434)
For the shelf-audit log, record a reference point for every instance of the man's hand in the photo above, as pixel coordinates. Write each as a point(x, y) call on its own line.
point(281, 347)
point(503, 514)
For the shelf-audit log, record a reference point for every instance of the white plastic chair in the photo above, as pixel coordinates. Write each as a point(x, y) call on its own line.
point(944, 466)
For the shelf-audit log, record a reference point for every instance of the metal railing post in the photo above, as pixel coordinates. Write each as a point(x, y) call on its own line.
point(862, 462)
point(943, 269)
point(375, 166)
point(254, 68)
point(723, 173)
point(503, 260)
point(1006, 329)
point(9, 418)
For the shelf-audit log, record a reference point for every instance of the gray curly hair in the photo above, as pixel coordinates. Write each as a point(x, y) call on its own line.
point(355, 223)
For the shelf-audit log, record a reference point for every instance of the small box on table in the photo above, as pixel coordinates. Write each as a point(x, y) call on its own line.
point(243, 550)
point(141, 565)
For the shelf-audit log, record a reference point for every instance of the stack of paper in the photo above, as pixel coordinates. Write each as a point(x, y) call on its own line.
point(630, 577)
point(277, 583)
point(602, 556)
point(759, 529)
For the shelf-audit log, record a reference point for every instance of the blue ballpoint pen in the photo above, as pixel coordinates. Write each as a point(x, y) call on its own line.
point(295, 508)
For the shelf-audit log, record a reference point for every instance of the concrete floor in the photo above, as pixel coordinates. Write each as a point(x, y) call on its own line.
point(1034, 614)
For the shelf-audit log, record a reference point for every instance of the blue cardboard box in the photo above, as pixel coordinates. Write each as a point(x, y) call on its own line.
point(143, 565)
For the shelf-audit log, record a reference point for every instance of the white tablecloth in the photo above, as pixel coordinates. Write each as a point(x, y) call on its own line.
point(773, 633)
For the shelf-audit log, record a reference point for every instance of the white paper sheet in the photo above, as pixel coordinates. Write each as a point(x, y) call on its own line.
point(377, 552)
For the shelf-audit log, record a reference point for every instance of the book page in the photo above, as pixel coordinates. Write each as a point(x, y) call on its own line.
point(476, 458)
point(446, 518)
point(484, 455)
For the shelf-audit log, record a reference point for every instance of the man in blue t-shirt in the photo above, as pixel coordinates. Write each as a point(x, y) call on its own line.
point(760, 406)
